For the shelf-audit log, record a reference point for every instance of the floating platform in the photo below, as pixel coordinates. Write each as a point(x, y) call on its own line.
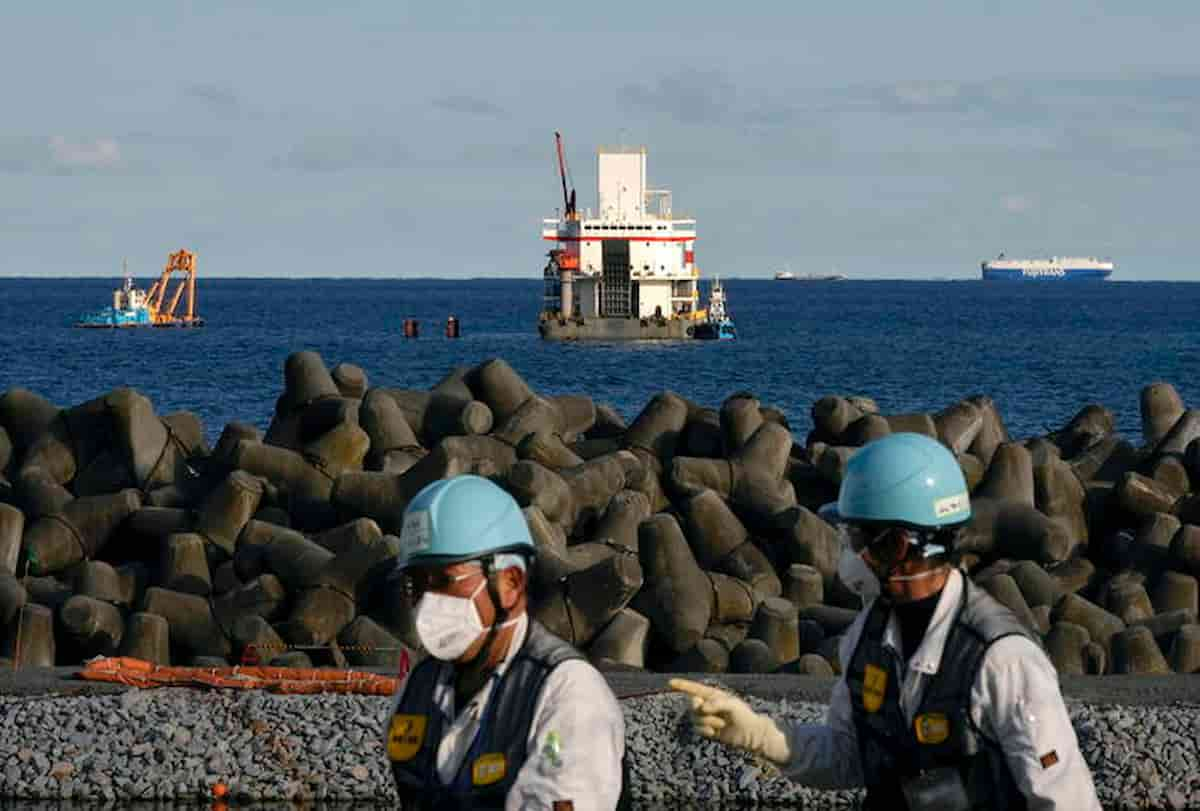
point(579, 328)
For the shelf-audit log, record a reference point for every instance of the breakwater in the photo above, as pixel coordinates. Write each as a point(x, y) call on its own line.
point(685, 540)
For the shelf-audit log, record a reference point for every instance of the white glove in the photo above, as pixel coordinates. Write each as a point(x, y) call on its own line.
point(724, 717)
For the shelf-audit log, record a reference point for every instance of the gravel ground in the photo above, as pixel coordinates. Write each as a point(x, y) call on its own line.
point(99, 743)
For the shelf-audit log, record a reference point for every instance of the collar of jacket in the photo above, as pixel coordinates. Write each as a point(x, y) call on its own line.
point(928, 656)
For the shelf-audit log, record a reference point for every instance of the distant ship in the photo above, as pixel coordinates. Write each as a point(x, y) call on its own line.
point(625, 272)
point(788, 276)
point(1056, 268)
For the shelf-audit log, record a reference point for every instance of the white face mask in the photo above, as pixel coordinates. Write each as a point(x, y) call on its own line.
point(854, 572)
point(448, 625)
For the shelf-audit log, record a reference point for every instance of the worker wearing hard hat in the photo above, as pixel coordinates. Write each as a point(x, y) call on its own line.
point(945, 700)
point(502, 714)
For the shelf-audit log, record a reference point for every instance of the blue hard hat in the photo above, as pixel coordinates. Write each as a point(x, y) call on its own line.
point(906, 479)
point(462, 518)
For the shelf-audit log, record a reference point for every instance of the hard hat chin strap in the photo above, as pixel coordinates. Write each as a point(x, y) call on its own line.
point(501, 613)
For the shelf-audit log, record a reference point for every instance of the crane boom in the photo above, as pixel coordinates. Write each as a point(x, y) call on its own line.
point(568, 199)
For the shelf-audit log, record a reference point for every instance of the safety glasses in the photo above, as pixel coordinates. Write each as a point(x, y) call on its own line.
point(417, 580)
point(885, 546)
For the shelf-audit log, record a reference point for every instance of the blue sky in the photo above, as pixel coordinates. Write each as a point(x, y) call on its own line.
point(899, 140)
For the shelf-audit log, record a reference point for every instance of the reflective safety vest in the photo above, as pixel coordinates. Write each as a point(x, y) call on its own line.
point(500, 747)
point(943, 733)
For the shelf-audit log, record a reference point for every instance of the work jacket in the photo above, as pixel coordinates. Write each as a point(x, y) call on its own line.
point(545, 729)
point(1013, 703)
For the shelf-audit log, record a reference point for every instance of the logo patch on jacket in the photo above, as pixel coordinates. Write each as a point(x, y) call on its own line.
point(1049, 759)
point(563, 805)
point(488, 769)
point(874, 686)
point(932, 727)
point(405, 736)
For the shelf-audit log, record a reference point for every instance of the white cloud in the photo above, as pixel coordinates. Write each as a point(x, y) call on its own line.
point(1017, 203)
point(101, 153)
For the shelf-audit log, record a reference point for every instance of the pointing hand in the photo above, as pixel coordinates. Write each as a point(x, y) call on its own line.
point(724, 717)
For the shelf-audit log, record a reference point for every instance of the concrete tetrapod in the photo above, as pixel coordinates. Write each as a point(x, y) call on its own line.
point(1058, 494)
point(1065, 645)
point(676, 597)
point(495, 383)
point(587, 600)
point(226, 510)
point(1176, 590)
point(620, 521)
point(12, 598)
point(1161, 407)
point(1134, 651)
point(306, 380)
point(1005, 590)
point(656, 430)
point(437, 415)
point(382, 497)
point(350, 380)
point(1012, 529)
point(535, 486)
point(992, 432)
point(78, 532)
point(192, 624)
point(547, 449)
point(958, 425)
point(12, 526)
point(777, 624)
point(577, 413)
point(184, 566)
point(147, 637)
point(1185, 651)
point(306, 489)
point(144, 442)
point(32, 644)
point(623, 641)
point(1009, 475)
point(94, 627)
point(1037, 586)
point(535, 414)
point(1100, 624)
point(366, 643)
point(38, 494)
point(394, 445)
point(25, 416)
point(1090, 425)
point(753, 656)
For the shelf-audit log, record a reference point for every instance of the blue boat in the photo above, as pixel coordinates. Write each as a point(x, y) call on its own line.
point(130, 308)
point(717, 326)
point(1056, 268)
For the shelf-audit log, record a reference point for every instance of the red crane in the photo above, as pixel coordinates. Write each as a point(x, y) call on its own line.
point(568, 199)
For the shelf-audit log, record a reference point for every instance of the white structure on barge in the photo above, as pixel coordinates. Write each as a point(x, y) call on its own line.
point(626, 272)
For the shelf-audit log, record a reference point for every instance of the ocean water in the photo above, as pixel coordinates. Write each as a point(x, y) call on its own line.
point(1041, 350)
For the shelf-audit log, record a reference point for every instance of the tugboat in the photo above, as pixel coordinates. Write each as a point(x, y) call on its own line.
point(718, 325)
point(625, 273)
point(129, 308)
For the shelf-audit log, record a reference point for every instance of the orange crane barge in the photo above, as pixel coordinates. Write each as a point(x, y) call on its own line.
point(135, 308)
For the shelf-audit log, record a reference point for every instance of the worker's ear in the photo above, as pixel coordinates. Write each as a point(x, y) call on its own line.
point(512, 585)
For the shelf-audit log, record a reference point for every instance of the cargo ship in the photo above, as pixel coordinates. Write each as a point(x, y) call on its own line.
point(134, 307)
point(1056, 268)
point(625, 272)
